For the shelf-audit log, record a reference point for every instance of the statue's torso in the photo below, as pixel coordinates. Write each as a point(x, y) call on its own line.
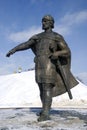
point(45, 69)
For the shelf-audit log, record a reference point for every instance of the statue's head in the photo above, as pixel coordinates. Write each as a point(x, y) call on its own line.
point(47, 21)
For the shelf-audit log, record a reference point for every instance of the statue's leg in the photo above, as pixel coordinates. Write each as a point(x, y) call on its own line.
point(41, 91)
point(41, 96)
point(47, 101)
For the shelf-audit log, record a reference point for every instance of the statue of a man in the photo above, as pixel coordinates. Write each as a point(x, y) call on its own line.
point(49, 47)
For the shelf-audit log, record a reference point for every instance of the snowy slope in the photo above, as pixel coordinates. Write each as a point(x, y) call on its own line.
point(20, 90)
point(83, 77)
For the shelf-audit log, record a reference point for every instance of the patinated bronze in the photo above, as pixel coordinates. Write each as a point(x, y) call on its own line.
point(52, 64)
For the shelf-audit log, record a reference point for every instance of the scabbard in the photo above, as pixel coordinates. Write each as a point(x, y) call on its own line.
point(63, 76)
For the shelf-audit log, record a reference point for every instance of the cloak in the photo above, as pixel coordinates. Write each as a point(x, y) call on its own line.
point(59, 87)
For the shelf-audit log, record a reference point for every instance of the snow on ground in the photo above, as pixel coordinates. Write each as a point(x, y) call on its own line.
point(26, 119)
point(21, 90)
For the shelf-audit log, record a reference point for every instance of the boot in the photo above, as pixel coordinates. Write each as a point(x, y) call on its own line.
point(43, 117)
point(44, 114)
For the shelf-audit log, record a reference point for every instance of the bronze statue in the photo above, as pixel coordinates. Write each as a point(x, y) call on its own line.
point(52, 64)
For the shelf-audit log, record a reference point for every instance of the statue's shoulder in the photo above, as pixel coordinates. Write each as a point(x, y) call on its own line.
point(58, 36)
point(37, 36)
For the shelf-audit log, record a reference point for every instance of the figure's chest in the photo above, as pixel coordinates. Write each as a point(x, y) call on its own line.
point(45, 42)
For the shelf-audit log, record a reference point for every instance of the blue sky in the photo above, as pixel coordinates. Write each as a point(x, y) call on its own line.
point(20, 19)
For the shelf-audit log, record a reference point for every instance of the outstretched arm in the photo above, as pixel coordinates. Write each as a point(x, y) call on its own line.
point(20, 47)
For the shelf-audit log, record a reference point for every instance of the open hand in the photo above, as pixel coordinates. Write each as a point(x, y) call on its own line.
point(10, 53)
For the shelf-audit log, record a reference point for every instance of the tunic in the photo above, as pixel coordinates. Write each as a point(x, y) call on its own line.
point(45, 70)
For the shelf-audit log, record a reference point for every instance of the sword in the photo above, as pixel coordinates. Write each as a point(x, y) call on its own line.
point(64, 79)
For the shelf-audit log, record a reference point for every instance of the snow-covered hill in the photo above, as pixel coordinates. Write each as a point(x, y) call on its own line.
point(20, 90)
point(83, 77)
